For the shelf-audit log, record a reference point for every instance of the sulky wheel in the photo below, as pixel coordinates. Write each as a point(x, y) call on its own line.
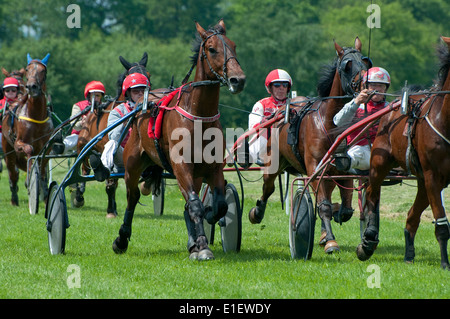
point(33, 189)
point(231, 223)
point(57, 220)
point(301, 230)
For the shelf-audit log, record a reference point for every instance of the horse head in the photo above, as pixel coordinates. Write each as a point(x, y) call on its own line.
point(132, 67)
point(351, 66)
point(36, 73)
point(218, 54)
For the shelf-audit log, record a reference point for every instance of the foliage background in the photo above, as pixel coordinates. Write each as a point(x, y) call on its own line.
point(290, 34)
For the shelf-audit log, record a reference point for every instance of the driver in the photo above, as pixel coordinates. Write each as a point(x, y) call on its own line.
point(358, 156)
point(278, 84)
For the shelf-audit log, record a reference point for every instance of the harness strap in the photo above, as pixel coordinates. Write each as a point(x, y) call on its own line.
point(33, 120)
point(192, 117)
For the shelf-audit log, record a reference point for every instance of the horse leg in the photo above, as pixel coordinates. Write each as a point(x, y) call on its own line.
point(413, 220)
point(111, 187)
point(120, 244)
point(344, 211)
point(13, 174)
point(381, 162)
point(256, 214)
point(325, 188)
point(220, 206)
point(442, 226)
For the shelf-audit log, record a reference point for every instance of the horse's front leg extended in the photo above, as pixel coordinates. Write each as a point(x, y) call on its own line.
point(194, 213)
point(120, 244)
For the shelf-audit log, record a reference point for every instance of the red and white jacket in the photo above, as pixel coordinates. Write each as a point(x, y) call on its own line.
point(262, 109)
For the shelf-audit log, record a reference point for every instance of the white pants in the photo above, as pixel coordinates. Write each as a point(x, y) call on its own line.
point(70, 143)
point(259, 146)
point(360, 156)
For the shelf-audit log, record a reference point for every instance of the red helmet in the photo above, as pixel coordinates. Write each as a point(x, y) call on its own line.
point(94, 86)
point(278, 75)
point(10, 82)
point(377, 75)
point(134, 80)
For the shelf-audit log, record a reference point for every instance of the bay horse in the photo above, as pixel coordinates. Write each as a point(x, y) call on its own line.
point(418, 141)
point(27, 127)
point(96, 122)
point(195, 105)
point(316, 132)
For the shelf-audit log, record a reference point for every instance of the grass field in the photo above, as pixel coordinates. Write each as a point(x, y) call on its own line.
point(156, 264)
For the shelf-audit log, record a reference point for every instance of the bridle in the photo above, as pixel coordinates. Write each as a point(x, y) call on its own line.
point(36, 75)
point(223, 79)
point(348, 83)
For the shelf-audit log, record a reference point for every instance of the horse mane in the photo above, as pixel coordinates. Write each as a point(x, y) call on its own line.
point(443, 54)
point(326, 77)
point(218, 29)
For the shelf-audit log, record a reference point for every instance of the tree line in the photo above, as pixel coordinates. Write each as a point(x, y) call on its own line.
point(295, 35)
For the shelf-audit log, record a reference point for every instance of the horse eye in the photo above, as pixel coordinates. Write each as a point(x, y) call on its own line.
point(212, 50)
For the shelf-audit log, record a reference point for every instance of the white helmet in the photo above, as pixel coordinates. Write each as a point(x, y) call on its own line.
point(278, 75)
point(377, 75)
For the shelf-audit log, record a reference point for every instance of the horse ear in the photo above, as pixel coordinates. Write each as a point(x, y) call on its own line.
point(358, 44)
point(29, 59)
point(339, 50)
point(144, 59)
point(45, 60)
point(6, 73)
point(200, 30)
point(22, 71)
point(125, 63)
point(222, 24)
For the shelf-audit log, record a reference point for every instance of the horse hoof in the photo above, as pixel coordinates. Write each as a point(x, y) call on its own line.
point(145, 190)
point(111, 215)
point(331, 247)
point(205, 254)
point(77, 202)
point(120, 246)
point(362, 254)
point(253, 217)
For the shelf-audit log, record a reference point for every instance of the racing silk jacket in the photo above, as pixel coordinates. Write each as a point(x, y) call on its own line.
point(262, 109)
point(76, 109)
point(352, 112)
point(3, 103)
point(119, 112)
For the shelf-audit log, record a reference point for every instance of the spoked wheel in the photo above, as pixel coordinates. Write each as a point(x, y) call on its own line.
point(33, 188)
point(231, 223)
point(301, 230)
point(363, 219)
point(57, 220)
point(206, 197)
point(158, 200)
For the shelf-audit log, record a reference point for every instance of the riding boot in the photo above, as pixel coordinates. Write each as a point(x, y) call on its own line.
point(101, 173)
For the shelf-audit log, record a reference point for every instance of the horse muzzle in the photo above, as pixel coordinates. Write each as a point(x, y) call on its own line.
point(34, 90)
point(236, 84)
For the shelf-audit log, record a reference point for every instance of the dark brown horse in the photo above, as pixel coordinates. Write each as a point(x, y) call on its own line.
point(27, 126)
point(419, 141)
point(216, 64)
point(315, 135)
point(96, 122)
